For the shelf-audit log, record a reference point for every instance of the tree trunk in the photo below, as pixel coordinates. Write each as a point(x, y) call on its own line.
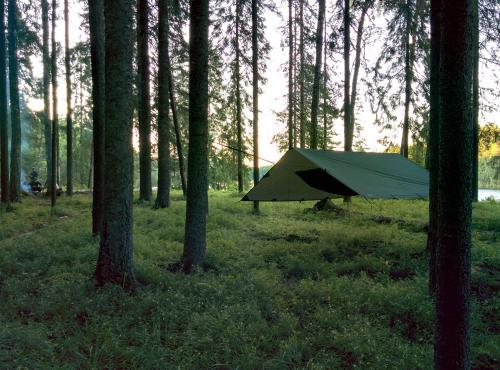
point(197, 192)
point(410, 44)
point(475, 107)
point(55, 126)
point(290, 76)
point(325, 80)
point(4, 143)
point(239, 128)
point(317, 76)
point(178, 138)
point(69, 119)
point(163, 193)
point(302, 79)
point(145, 190)
point(348, 131)
point(357, 63)
point(15, 114)
point(115, 261)
point(46, 90)
point(434, 141)
point(255, 95)
point(96, 23)
point(453, 263)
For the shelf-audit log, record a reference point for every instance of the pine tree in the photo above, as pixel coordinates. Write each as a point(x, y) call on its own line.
point(4, 140)
point(69, 118)
point(55, 124)
point(255, 95)
point(197, 191)
point(115, 261)
point(46, 90)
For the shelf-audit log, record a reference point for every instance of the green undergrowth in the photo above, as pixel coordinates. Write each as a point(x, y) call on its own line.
point(289, 288)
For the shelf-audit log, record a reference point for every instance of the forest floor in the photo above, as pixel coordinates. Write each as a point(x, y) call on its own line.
point(290, 288)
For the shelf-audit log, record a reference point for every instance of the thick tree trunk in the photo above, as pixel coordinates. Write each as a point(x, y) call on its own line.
point(69, 113)
point(317, 76)
point(115, 261)
point(290, 76)
point(197, 194)
point(55, 125)
point(302, 108)
point(145, 190)
point(163, 193)
point(255, 95)
point(453, 263)
point(4, 132)
point(357, 64)
point(96, 23)
point(237, 77)
point(46, 90)
point(178, 137)
point(434, 141)
point(475, 106)
point(15, 114)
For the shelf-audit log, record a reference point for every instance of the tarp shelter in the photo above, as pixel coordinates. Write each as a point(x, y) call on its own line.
point(307, 174)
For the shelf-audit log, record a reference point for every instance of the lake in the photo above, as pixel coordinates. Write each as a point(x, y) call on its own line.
point(488, 193)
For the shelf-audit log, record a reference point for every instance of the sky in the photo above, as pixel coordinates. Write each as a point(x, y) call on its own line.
point(273, 98)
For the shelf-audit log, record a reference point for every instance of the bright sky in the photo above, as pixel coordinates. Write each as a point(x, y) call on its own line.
point(273, 99)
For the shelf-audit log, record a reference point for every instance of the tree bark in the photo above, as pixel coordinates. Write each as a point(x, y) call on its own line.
point(347, 78)
point(15, 114)
point(178, 137)
point(434, 141)
point(317, 76)
point(290, 76)
point(255, 95)
point(145, 189)
point(452, 334)
point(197, 192)
point(239, 128)
point(325, 80)
point(96, 23)
point(163, 193)
point(4, 132)
point(302, 103)
point(115, 261)
point(55, 126)
point(475, 106)
point(69, 113)
point(46, 90)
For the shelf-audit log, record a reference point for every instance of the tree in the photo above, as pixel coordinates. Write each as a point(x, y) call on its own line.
point(453, 261)
point(15, 113)
point(255, 95)
point(69, 119)
point(290, 76)
point(4, 140)
point(475, 103)
point(163, 194)
point(145, 190)
point(96, 23)
point(317, 75)
point(114, 264)
point(348, 131)
point(197, 191)
point(46, 90)
point(302, 114)
point(237, 82)
point(55, 124)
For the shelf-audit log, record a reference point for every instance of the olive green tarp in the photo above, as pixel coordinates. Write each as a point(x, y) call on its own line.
point(307, 174)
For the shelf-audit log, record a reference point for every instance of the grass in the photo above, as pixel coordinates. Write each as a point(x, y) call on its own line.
point(290, 288)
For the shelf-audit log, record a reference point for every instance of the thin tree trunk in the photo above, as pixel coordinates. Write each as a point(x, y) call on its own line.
point(348, 131)
point(163, 193)
point(357, 64)
point(255, 95)
point(290, 76)
point(115, 261)
point(325, 79)
point(96, 23)
point(453, 263)
point(46, 90)
point(69, 113)
point(197, 192)
point(434, 141)
point(15, 114)
point(90, 178)
point(4, 132)
point(55, 126)
point(302, 103)
point(145, 189)
point(239, 128)
point(178, 138)
point(475, 107)
point(317, 76)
